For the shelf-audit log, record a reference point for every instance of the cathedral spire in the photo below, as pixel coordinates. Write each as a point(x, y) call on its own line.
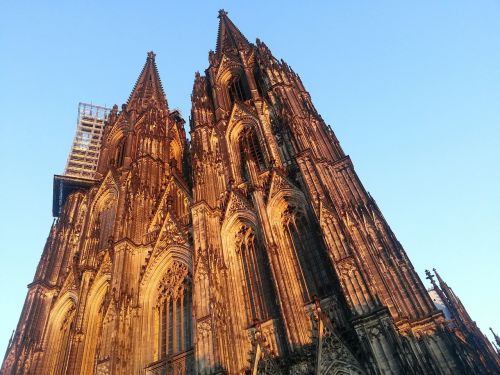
point(430, 277)
point(148, 86)
point(442, 283)
point(454, 304)
point(497, 338)
point(228, 35)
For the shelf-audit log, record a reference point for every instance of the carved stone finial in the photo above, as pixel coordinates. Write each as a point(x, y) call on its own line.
point(430, 277)
point(222, 13)
point(151, 55)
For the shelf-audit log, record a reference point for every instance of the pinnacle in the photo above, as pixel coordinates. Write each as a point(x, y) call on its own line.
point(151, 55)
point(228, 35)
point(222, 13)
point(148, 85)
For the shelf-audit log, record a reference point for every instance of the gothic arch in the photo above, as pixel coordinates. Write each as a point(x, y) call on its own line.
point(69, 284)
point(250, 291)
point(92, 323)
point(148, 330)
point(103, 212)
point(241, 117)
point(232, 84)
point(107, 192)
point(232, 231)
point(246, 216)
point(286, 195)
point(341, 368)
point(292, 271)
point(115, 134)
point(115, 145)
point(176, 153)
point(241, 123)
point(291, 267)
point(158, 264)
point(118, 152)
point(296, 230)
point(228, 68)
point(59, 334)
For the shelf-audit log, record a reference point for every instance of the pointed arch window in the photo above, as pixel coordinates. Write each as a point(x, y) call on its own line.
point(256, 283)
point(249, 148)
point(304, 239)
point(120, 153)
point(106, 223)
point(281, 132)
point(59, 343)
point(174, 311)
point(238, 89)
point(260, 82)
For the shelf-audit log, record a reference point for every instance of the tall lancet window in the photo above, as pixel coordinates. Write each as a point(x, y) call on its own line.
point(304, 239)
point(260, 82)
point(249, 148)
point(120, 154)
point(238, 89)
point(284, 140)
point(174, 311)
point(257, 288)
point(59, 343)
point(106, 222)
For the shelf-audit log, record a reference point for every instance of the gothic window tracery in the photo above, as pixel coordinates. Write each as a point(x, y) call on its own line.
point(283, 136)
point(120, 153)
point(106, 222)
point(304, 240)
point(249, 148)
point(238, 89)
point(58, 343)
point(260, 82)
point(257, 290)
point(175, 155)
point(174, 311)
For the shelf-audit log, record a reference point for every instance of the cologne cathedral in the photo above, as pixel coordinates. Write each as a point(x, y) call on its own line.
point(249, 247)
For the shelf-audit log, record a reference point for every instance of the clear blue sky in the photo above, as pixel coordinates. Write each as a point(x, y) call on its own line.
point(411, 90)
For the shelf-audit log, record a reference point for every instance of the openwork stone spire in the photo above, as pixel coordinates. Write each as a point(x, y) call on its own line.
point(228, 36)
point(148, 86)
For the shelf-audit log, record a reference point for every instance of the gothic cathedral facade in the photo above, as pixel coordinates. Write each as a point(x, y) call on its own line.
point(251, 248)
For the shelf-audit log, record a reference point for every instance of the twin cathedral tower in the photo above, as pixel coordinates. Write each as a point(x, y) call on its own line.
point(253, 248)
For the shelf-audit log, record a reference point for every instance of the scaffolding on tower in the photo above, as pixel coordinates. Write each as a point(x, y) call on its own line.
point(81, 166)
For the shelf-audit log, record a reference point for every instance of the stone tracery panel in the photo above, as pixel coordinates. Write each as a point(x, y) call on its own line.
point(301, 236)
point(174, 304)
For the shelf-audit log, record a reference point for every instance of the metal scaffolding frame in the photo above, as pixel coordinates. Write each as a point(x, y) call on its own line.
point(84, 155)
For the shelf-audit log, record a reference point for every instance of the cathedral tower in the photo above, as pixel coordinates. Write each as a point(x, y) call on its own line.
point(112, 292)
point(295, 255)
point(252, 249)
